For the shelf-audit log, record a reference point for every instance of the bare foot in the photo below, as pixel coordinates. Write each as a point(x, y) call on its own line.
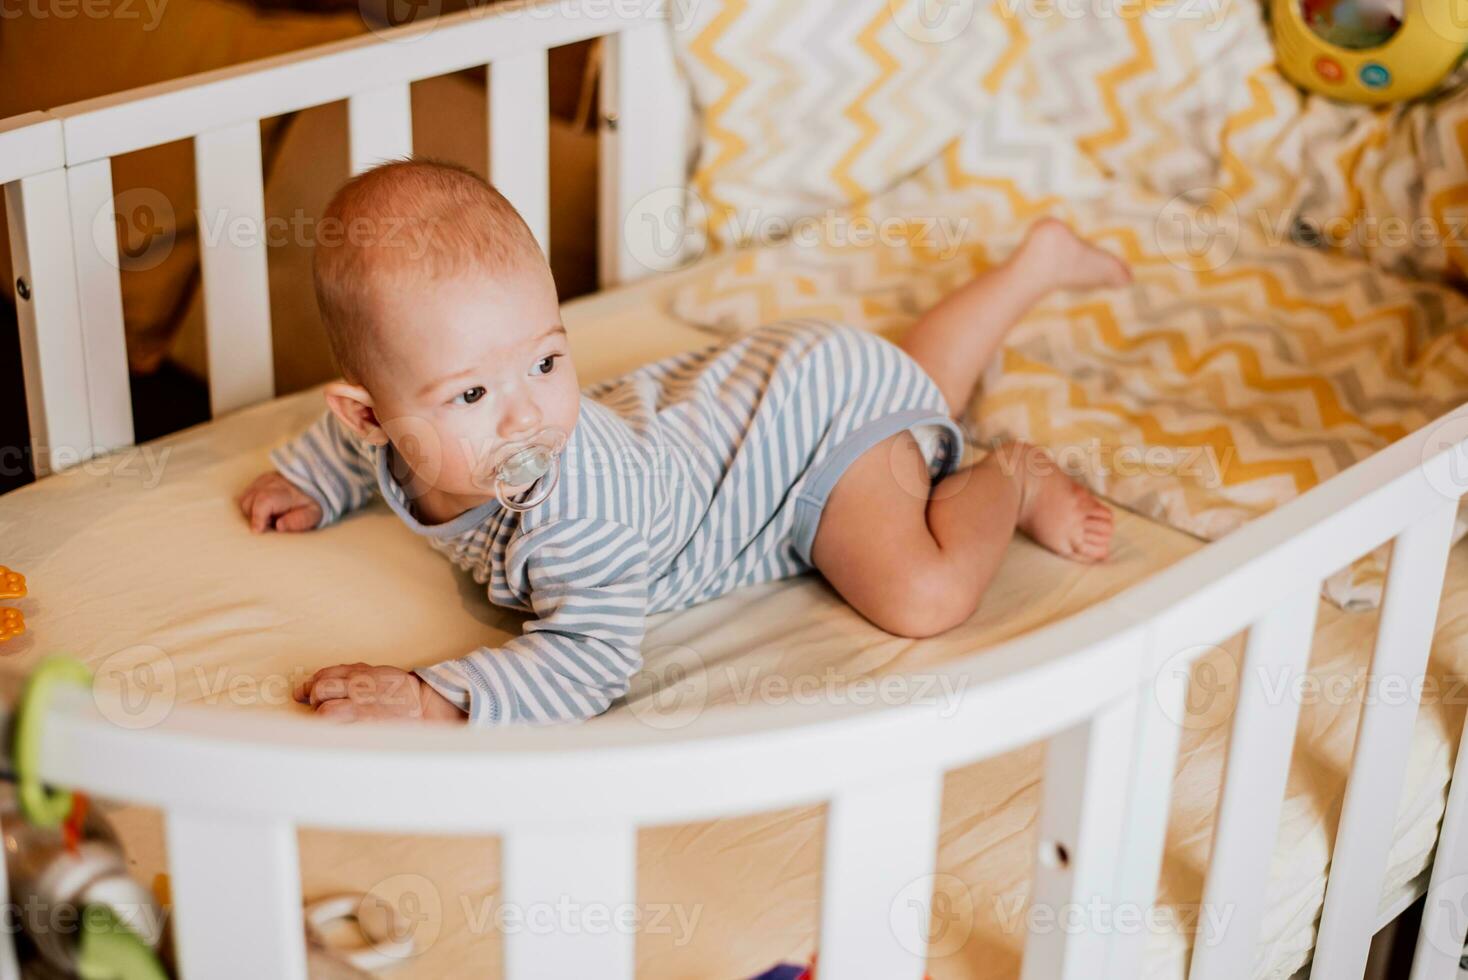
point(1055, 510)
point(1069, 261)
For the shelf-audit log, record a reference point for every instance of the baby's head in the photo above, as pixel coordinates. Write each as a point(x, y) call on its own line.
point(442, 314)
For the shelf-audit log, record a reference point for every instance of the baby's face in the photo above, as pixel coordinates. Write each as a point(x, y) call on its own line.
point(469, 365)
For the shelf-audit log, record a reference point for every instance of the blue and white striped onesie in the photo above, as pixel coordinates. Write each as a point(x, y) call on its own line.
point(681, 481)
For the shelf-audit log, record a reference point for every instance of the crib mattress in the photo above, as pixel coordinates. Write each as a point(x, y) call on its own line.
point(143, 557)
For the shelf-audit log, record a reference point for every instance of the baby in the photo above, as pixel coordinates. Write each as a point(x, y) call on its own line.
point(799, 445)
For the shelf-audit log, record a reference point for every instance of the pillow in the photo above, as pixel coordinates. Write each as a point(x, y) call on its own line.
point(812, 106)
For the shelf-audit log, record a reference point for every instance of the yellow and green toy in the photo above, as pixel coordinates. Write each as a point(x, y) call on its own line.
point(1371, 51)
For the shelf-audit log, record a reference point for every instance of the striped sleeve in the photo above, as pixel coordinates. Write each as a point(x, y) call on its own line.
point(588, 582)
point(329, 464)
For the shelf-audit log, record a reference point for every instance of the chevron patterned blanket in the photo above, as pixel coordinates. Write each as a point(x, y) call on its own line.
point(1298, 262)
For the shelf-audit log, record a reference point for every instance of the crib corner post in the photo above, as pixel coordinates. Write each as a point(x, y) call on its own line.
point(51, 345)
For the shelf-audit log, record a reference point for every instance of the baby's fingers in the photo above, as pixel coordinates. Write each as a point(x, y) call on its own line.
point(268, 504)
point(346, 711)
point(302, 518)
point(262, 511)
point(307, 692)
point(248, 495)
point(339, 709)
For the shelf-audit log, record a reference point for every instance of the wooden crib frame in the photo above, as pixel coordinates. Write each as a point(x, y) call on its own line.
point(1101, 686)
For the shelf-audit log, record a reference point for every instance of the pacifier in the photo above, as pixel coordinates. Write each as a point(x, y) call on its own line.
point(528, 469)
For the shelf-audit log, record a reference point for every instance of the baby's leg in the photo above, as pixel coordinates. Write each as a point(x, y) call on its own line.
point(956, 340)
point(916, 559)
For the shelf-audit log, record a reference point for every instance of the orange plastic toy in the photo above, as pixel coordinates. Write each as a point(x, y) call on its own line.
point(12, 584)
point(12, 624)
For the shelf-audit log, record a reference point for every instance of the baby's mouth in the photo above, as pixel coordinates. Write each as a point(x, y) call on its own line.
point(526, 470)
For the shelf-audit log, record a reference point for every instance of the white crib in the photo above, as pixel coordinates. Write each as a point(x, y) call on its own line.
point(1101, 686)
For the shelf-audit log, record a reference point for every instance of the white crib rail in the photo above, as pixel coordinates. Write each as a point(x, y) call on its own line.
point(57, 171)
point(567, 800)
point(55, 369)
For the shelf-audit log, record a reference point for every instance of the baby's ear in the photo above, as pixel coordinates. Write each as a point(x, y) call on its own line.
point(352, 405)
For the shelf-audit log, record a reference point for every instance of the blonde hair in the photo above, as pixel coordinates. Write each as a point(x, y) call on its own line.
point(408, 220)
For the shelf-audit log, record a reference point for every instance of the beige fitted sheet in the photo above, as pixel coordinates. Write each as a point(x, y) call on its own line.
point(143, 555)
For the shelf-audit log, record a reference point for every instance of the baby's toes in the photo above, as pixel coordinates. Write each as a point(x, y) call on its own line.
point(1096, 538)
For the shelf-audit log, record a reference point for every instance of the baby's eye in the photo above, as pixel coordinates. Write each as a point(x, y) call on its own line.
point(469, 396)
point(546, 364)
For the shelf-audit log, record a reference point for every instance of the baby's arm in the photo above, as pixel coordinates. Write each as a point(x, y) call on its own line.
point(319, 476)
point(588, 588)
point(588, 582)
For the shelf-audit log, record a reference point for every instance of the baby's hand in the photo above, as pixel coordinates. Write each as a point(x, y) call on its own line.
point(360, 692)
point(272, 501)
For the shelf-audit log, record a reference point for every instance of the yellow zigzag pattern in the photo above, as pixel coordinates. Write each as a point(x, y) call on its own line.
point(730, 145)
point(1218, 437)
point(1280, 411)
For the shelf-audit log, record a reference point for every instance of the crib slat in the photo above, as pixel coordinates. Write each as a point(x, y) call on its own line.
point(236, 897)
point(379, 126)
point(1368, 814)
point(1148, 792)
point(519, 140)
point(51, 354)
point(231, 193)
point(643, 170)
point(593, 871)
point(1081, 826)
point(1441, 935)
point(1258, 766)
point(99, 303)
point(881, 843)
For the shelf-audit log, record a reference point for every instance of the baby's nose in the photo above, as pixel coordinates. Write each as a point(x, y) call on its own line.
point(521, 417)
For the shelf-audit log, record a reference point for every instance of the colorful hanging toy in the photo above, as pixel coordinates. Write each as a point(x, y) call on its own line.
point(1370, 51)
point(61, 854)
